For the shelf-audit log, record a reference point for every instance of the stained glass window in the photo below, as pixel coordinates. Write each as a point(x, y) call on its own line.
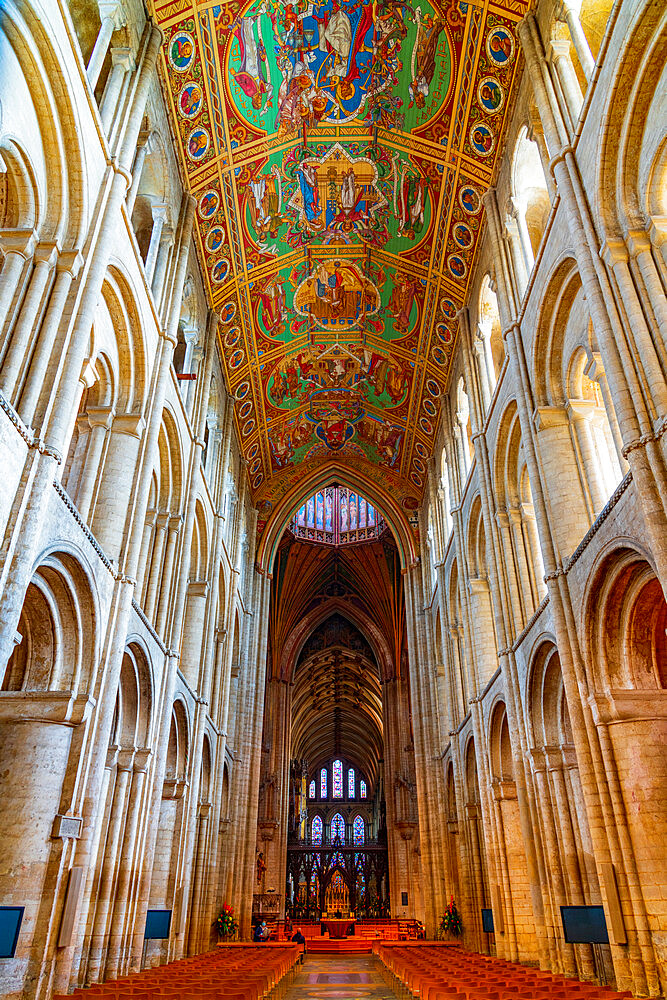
point(350, 783)
point(311, 790)
point(337, 779)
point(317, 830)
point(338, 828)
point(337, 859)
point(337, 516)
point(362, 789)
point(323, 783)
point(358, 835)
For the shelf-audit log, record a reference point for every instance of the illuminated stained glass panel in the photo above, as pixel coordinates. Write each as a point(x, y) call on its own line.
point(350, 783)
point(337, 779)
point(358, 833)
point(311, 790)
point(336, 516)
point(338, 828)
point(362, 789)
point(323, 783)
point(317, 830)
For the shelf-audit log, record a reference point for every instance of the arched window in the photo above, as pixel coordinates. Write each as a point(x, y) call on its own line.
point(488, 341)
point(337, 779)
point(337, 516)
point(447, 500)
point(362, 789)
point(338, 829)
point(317, 830)
point(323, 783)
point(358, 831)
point(311, 790)
point(350, 783)
point(530, 206)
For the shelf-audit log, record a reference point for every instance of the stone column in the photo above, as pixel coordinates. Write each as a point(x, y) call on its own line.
point(17, 246)
point(564, 952)
point(99, 419)
point(122, 63)
point(156, 565)
point(113, 18)
point(142, 149)
point(104, 901)
point(157, 285)
point(149, 525)
point(44, 258)
point(559, 51)
point(159, 213)
point(594, 370)
point(523, 260)
point(67, 269)
point(127, 866)
point(569, 13)
point(482, 367)
point(194, 936)
point(164, 603)
point(117, 482)
point(579, 411)
point(193, 631)
point(37, 729)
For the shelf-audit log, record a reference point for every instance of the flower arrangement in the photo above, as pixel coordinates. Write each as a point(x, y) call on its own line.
point(226, 922)
point(451, 920)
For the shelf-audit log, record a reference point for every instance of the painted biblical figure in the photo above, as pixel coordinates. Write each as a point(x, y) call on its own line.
point(336, 293)
point(424, 57)
point(402, 300)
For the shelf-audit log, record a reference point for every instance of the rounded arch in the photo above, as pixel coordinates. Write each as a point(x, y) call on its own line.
point(357, 616)
point(34, 67)
point(562, 287)
point(500, 746)
point(58, 629)
point(287, 507)
point(626, 623)
point(632, 155)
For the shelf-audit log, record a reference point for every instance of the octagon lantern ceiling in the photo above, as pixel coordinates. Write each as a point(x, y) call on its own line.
point(338, 152)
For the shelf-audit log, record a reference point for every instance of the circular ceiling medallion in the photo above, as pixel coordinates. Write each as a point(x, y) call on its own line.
point(490, 95)
point(242, 391)
point(198, 142)
point(219, 271)
point(228, 312)
point(482, 139)
point(469, 199)
point(181, 51)
point(190, 100)
point(214, 241)
point(208, 204)
point(457, 265)
point(500, 46)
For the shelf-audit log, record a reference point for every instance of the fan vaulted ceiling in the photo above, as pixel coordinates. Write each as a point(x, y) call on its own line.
point(338, 151)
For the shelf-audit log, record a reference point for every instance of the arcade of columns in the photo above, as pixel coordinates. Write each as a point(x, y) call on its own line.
point(134, 618)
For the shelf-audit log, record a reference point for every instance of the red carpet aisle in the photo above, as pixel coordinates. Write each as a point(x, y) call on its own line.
point(333, 977)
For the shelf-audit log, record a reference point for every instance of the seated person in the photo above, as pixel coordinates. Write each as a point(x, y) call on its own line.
point(300, 939)
point(261, 932)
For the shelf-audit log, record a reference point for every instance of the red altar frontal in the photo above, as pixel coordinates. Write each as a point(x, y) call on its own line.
point(337, 928)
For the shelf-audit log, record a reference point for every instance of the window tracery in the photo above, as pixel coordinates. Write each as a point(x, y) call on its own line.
point(337, 516)
point(316, 828)
point(338, 829)
point(358, 832)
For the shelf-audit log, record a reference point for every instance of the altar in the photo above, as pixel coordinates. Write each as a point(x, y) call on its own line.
point(337, 928)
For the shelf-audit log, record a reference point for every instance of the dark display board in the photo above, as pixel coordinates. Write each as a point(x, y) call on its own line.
point(487, 921)
point(584, 924)
point(10, 925)
point(158, 923)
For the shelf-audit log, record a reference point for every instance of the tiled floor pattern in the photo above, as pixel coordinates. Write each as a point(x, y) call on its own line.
point(333, 977)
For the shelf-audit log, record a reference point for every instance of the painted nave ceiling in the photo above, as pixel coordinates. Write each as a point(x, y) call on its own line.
point(338, 152)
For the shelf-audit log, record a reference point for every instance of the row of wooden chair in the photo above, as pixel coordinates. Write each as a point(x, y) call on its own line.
point(232, 972)
point(431, 971)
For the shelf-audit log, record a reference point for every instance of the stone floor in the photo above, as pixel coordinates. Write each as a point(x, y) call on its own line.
point(334, 977)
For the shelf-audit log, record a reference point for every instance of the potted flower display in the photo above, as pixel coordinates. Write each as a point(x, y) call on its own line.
point(226, 922)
